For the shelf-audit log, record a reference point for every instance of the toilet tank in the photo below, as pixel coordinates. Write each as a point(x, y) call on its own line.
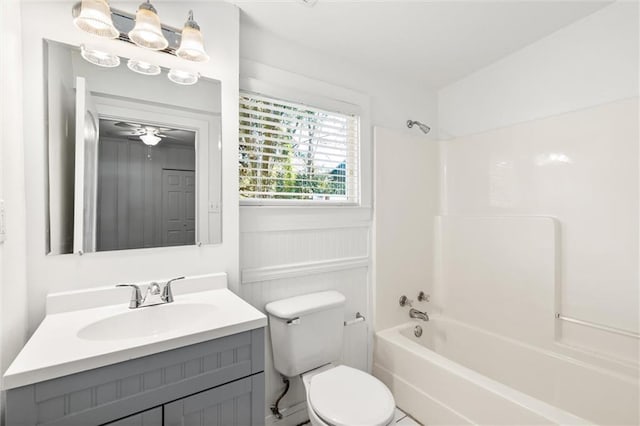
point(306, 331)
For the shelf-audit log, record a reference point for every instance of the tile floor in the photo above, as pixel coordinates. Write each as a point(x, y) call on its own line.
point(401, 418)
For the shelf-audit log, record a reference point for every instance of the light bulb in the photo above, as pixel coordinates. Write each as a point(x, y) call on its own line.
point(191, 43)
point(95, 18)
point(142, 67)
point(150, 139)
point(186, 78)
point(148, 31)
point(97, 57)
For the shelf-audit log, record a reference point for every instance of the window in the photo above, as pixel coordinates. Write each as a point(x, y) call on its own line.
point(290, 151)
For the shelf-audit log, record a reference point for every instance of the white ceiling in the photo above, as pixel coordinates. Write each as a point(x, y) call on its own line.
point(432, 42)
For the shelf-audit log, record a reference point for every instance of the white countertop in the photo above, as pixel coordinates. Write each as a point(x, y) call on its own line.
point(56, 350)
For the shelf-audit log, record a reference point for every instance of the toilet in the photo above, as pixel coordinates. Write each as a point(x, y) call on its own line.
point(306, 338)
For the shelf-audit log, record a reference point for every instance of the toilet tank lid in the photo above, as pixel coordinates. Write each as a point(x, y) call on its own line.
point(303, 305)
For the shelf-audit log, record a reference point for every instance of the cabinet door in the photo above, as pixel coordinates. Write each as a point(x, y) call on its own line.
point(151, 417)
point(239, 403)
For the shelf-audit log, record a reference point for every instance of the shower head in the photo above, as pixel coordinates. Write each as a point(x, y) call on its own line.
point(425, 129)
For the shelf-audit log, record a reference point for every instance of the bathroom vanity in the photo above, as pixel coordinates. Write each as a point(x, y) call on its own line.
point(209, 369)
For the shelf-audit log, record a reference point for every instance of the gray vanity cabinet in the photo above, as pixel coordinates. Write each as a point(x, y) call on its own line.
point(151, 417)
point(232, 404)
point(217, 382)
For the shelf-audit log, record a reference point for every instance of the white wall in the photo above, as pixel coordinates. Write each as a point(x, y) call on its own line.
point(55, 273)
point(286, 252)
point(13, 291)
point(393, 98)
point(552, 130)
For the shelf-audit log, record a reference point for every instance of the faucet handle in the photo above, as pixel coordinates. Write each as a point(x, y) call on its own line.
point(423, 297)
point(404, 301)
point(136, 295)
point(167, 294)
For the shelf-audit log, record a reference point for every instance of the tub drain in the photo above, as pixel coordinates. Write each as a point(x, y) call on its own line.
point(417, 331)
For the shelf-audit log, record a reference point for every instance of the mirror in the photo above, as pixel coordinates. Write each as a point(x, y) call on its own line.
point(134, 160)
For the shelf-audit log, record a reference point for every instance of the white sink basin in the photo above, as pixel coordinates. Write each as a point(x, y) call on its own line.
point(148, 321)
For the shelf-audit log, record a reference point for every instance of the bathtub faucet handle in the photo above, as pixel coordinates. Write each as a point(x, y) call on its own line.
point(404, 301)
point(423, 297)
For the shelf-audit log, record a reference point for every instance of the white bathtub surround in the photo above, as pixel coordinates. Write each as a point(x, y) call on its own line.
point(406, 201)
point(62, 345)
point(499, 273)
point(582, 169)
point(459, 374)
point(553, 130)
point(498, 289)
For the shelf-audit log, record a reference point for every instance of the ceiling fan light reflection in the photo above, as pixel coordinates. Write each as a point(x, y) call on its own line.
point(147, 31)
point(95, 18)
point(150, 139)
point(142, 67)
point(97, 57)
point(186, 78)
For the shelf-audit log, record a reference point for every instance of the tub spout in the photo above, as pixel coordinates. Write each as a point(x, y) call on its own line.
point(414, 313)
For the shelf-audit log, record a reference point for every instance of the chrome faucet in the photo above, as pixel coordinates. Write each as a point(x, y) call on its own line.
point(414, 313)
point(153, 296)
point(136, 295)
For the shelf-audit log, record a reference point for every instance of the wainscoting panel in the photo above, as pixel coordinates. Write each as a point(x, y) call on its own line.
point(259, 249)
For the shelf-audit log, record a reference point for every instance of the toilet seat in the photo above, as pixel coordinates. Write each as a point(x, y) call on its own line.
point(344, 396)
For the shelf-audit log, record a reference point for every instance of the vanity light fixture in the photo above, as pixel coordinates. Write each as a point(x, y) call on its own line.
point(94, 17)
point(97, 57)
point(192, 44)
point(186, 78)
point(147, 31)
point(142, 67)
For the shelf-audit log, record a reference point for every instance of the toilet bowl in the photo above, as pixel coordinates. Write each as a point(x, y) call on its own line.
point(343, 396)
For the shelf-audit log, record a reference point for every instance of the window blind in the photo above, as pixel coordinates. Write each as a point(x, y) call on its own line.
point(290, 151)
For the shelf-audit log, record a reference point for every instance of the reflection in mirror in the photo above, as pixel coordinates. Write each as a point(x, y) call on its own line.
point(134, 160)
point(168, 156)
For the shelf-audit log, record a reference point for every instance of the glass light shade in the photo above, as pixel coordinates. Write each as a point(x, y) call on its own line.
point(147, 31)
point(95, 18)
point(97, 57)
point(150, 139)
point(192, 45)
point(142, 67)
point(186, 78)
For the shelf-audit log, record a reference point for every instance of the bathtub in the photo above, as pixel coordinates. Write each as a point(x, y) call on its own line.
point(455, 373)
